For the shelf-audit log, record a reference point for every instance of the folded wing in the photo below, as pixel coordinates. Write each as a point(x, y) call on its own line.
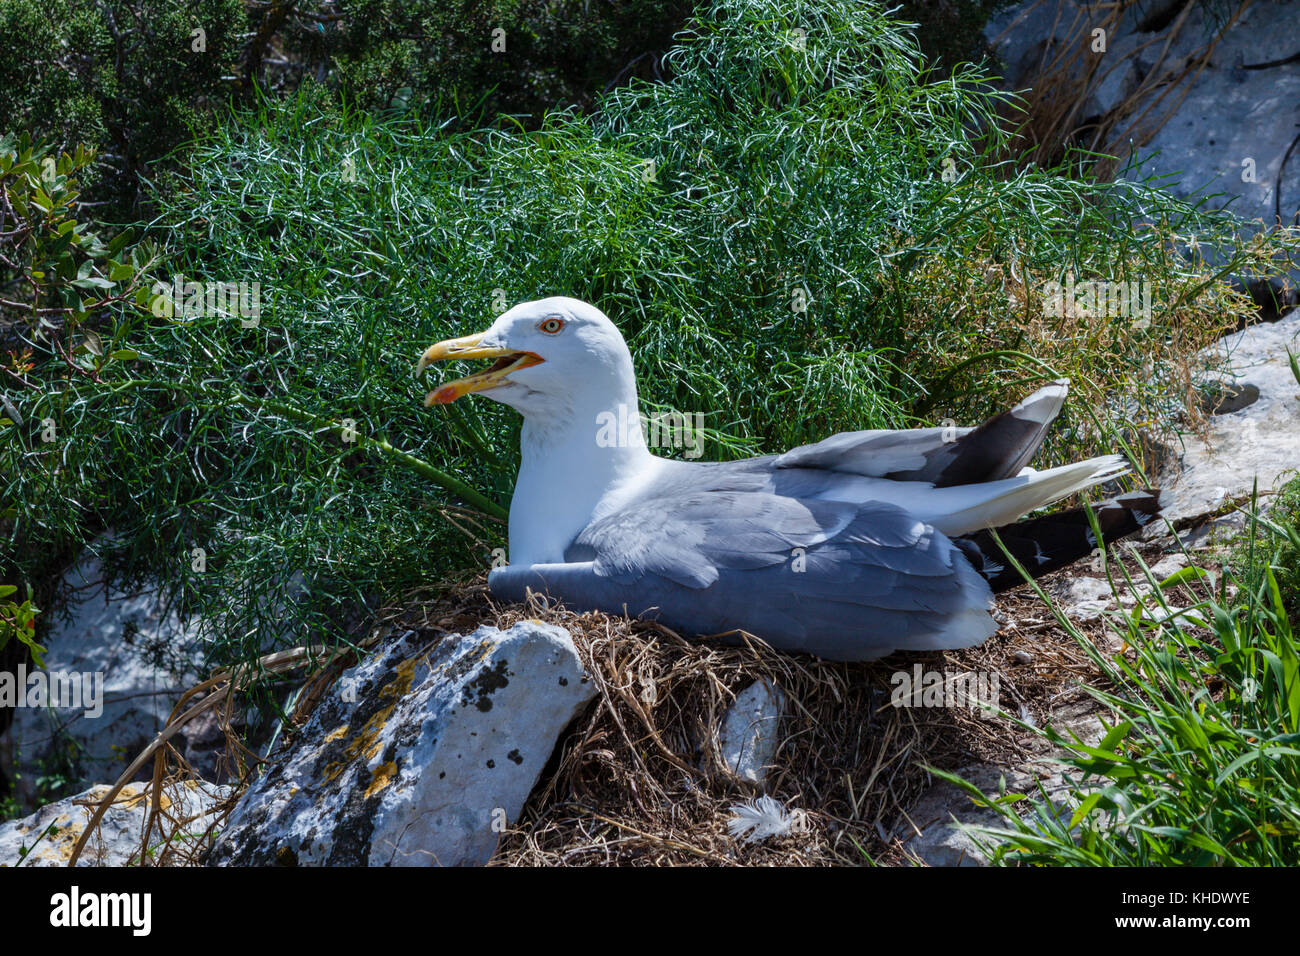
point(840, 580)
point(999, 448)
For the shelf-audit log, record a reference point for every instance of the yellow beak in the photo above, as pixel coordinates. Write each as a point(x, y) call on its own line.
point(468, 348)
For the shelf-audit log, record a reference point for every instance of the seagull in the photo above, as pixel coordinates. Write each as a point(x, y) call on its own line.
point(854, 547)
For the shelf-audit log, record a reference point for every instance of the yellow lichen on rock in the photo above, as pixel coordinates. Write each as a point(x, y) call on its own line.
point(367, 743)
point(336, 733)
point(382, 777)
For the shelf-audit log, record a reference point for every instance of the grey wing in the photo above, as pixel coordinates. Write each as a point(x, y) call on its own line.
point(843, 581)
point(997, 449)
point(877, 453)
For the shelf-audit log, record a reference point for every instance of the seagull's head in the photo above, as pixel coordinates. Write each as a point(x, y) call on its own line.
point(547, 354)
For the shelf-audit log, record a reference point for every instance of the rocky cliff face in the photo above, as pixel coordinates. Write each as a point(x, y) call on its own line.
point(1227, 125)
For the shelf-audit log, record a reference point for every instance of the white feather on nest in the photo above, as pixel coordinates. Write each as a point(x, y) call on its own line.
point(762, 818)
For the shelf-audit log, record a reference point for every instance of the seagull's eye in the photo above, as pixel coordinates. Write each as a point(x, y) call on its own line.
point(551, 326)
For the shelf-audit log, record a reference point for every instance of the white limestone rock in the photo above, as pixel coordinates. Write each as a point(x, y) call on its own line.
point(418, 756)
point(748, 736)
point(127, 647)
point(48, 836)
point(1261, 441)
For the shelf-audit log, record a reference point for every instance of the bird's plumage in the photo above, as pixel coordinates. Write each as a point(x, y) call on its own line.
point(836, 579)
point(849, 548)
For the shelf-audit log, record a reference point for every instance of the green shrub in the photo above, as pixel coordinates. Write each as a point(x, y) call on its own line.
point(18, 621)
point(124, 76)
point(67, 299)
point(1273, 541)
point(508, 56)
point(59, 275)
point(953, 31)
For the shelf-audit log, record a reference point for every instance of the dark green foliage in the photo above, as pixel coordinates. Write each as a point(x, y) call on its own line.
point(120, 75)
point(132, 78)
point(433, 56)
point(57, 271)
point(951, 31)
point(60, 282)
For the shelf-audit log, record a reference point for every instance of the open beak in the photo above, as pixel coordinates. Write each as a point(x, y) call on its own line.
point(507, 361)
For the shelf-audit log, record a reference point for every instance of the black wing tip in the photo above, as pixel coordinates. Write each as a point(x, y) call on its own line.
point(1143, 504)
point(1047, 544)
point(1004, 444)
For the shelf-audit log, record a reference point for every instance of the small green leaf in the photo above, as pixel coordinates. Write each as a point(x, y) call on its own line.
point(1182, 576)
point(1115, 735)
point(118, 242)
point(93, 282)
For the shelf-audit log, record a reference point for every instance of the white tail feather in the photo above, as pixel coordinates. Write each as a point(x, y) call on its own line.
point(962, 509)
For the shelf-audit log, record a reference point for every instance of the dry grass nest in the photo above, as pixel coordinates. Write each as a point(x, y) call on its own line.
point(638, 778)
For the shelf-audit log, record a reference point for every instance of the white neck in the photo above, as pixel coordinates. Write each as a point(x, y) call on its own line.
point(591, 455)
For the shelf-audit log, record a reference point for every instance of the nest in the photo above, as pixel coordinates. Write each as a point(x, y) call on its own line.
point(638, 778)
